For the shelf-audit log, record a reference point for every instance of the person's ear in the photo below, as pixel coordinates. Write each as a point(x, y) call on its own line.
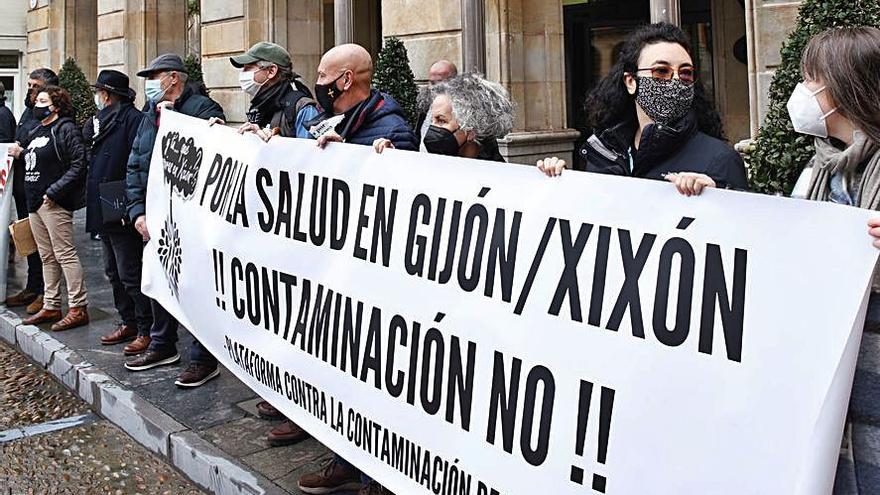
point(630, 82)
point(349, 77)
point(271, 72)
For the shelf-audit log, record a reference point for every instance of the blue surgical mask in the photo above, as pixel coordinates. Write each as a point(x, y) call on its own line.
point(153, 90)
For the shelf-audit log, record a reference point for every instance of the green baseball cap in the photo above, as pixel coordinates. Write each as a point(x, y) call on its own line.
point(269, 52)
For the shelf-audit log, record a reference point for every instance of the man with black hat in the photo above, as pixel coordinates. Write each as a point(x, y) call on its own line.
point(109, 136)
point(32, 294)
point(280, 102)
point(165, 88)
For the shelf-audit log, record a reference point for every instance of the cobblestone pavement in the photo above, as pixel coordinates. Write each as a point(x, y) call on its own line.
point(94, 457)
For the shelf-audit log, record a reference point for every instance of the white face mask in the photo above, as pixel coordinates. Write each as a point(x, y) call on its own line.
point(99, 102)
point(805, 112)
point(247, 83)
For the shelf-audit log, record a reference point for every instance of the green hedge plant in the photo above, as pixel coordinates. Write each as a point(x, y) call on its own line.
point(779, 153)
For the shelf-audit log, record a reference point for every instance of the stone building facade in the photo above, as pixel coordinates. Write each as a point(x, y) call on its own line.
point(548, 53)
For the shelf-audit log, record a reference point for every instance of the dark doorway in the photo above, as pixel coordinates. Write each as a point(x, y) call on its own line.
point(593, 33)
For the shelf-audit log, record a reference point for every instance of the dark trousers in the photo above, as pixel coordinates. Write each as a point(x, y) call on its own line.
point(123, 261)
point(35, 266)
point(163, 336)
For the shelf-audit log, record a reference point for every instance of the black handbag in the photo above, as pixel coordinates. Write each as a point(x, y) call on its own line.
point(114, 203)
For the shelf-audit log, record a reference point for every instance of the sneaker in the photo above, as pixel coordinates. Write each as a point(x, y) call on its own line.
point(152, 359)
point(374, 488)
point(196, 375)
point(286, 433)
point(333, 477)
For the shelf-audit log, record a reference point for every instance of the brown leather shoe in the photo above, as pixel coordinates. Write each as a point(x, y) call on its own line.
point(123, 333)
point(75, 317)
point(332, 477)
point(286, 433)
point(268, 411)
point(43, 316)
point(140, 344)
point(23, 298)
point(35, 306)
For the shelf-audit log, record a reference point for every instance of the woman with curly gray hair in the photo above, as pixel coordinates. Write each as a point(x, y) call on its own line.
point(468, 115)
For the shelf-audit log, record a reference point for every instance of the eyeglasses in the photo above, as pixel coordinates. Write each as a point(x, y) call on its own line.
point(687, 75)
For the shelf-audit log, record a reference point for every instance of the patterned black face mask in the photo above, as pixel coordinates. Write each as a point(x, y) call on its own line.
point(664, 100)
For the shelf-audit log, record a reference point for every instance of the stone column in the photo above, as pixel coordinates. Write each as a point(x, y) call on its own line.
point(473, 36)
point(59, 30)
point(666, 11)
point(768, 24)
point(524, 51)
point(133, 32)
point(434, 34)
point(343, 17)
point(230, 27)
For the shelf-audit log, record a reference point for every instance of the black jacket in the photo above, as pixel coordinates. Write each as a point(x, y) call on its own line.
point(664, 149)
point(278, 106)
point(7, 124)
point(68, 191)
point(26, 124)
point(188, 103)
point(108, 152)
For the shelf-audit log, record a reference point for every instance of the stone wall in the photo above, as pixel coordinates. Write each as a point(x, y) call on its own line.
point(768, 23)
point(61, 29)
point(524, 51)
point(131, 33)
point(433, 34)
point(231, 27)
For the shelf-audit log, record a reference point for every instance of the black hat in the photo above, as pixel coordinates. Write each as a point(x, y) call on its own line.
point(115, 82)
point(162, 63)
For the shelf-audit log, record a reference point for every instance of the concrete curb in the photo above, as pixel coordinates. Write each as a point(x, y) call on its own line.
point(195, 457)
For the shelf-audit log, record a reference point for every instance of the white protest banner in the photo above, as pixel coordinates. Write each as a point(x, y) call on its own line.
point(5, 213)
point(456, 326)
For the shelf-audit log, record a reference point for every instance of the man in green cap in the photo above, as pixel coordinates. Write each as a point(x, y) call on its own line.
point(280, 102)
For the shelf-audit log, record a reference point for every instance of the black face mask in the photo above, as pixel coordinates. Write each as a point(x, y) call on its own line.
point(28, 101)
point(440, 141)
point(41, 113)
point(326, 94)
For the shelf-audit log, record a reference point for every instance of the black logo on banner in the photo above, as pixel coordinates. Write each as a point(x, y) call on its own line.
point(181, 159)
point(170, 252)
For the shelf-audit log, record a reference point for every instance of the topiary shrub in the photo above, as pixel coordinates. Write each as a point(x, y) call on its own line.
point(394, 76)
point(72, 79)
point(780, 153)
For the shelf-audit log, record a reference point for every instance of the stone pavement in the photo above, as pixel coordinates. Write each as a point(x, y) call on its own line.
point(212, 434)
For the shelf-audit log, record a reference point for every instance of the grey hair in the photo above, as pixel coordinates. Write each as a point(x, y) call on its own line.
point(284, 73)
point(478, 104)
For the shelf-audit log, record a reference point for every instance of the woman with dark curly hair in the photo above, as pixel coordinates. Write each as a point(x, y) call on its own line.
point(652, 120)
point(55, 179)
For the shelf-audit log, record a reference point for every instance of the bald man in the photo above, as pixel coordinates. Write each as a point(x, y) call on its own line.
point(351, 110)
point(440, 71)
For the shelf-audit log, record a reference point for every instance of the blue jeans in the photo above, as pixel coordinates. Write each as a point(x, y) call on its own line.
point(163, 336)
point(858, 469)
